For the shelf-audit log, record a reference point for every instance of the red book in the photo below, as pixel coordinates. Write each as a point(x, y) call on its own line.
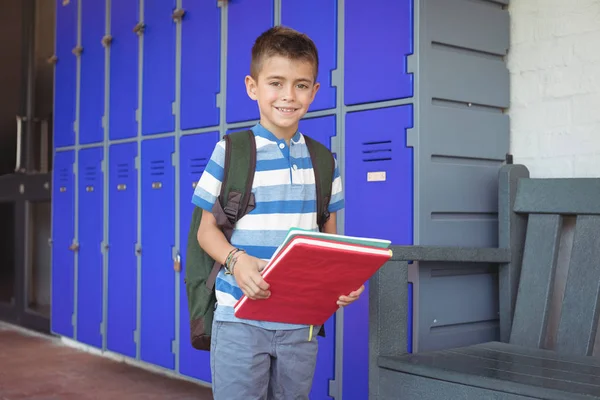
point(308, 276)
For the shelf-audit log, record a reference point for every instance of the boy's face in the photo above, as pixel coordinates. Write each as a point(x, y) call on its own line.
point(284, 90)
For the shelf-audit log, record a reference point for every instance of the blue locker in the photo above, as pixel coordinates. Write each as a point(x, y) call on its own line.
point(200, 64)
point(122, 258)
point(247, 20)
point(123, 69)
point(91, 225)
point(376, 53)
point(318, 19)
point(65, 74)
point(322, 129)
point(158, 88)
point(63, 231)
point(379, 177)
point(91, 101)
point(195, 153)
point(158, 231)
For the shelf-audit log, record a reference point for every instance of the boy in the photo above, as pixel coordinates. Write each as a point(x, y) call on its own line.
point(259, 359)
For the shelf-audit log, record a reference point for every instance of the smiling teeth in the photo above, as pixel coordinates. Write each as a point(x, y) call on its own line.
point(286, 109)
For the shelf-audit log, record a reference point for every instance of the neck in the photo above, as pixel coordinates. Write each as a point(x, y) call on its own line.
point(281, 133)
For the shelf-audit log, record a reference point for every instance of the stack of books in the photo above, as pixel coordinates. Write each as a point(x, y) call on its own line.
point(309, 272)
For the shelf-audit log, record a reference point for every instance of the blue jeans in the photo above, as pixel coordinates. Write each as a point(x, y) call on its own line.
point(252, 363)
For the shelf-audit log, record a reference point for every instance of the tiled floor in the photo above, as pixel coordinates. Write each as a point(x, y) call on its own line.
point(38, 368)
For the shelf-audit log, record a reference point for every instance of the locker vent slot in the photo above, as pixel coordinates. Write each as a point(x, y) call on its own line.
point(377, 151)
point(157, 167)
point(123, 171)
point(90, 174)
point(197, 165)
point(63, 175)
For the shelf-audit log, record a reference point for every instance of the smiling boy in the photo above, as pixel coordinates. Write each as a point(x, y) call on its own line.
point(259, 359)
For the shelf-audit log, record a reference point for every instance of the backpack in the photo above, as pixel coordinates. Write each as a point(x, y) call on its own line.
point(201, 270)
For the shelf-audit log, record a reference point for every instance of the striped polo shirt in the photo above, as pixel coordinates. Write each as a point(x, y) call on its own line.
point(284, 190)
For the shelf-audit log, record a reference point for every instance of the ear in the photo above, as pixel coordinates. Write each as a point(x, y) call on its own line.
point(251, 87)
point(315, 89)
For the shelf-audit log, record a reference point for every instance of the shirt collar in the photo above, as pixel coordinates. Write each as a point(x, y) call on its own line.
point(261, 131)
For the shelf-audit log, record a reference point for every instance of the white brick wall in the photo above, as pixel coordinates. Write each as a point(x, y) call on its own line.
point(554, 63)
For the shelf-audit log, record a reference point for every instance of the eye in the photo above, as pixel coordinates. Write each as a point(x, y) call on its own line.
point(302, 86)
point(275, 83)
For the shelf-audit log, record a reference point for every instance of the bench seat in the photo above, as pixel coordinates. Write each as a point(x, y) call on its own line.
point(505, 368)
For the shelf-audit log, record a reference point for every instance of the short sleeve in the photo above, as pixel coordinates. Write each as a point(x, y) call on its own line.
point(209, 186)
point(337, 194)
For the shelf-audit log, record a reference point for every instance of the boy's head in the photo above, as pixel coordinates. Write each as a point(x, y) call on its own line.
point(282, 78)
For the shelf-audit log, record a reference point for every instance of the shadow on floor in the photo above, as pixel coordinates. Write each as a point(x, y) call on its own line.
point(42, 368)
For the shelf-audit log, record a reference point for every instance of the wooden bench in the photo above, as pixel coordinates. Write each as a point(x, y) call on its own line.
point(531, 215)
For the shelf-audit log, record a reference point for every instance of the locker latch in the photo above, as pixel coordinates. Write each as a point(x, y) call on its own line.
point(77, 50)
point(107, 40)
point(74, 246)
point(178, 14)
point(52, 60)
point(139, 28)
point(177, 263)
point(221, 3)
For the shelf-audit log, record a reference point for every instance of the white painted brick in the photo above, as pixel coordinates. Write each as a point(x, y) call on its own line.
point(554, 64)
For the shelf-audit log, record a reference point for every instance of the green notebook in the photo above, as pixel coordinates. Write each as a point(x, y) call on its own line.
point(293, 232)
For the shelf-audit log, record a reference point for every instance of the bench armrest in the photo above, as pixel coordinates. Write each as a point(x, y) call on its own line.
point(450, 254)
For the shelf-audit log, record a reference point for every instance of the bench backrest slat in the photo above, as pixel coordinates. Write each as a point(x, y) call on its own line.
point(580, 308)
point(537, 280)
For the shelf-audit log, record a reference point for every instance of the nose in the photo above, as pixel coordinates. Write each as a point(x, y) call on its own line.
point(288, 93)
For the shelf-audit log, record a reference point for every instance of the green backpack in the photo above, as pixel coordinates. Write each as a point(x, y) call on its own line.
point(201, 270)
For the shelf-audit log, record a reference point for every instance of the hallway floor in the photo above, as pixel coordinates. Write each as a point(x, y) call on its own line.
point(35, 367)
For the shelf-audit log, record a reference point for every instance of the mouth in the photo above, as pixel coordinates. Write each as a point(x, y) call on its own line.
point(286, 110)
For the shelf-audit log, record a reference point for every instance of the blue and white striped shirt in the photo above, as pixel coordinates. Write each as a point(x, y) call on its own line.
point(284, 190)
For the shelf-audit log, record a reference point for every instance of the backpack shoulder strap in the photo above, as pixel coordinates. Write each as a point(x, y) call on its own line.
point(240, 164)
point(323, 166)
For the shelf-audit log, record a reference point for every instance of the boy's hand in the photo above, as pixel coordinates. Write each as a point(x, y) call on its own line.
point(248, 277)
point(343, 301)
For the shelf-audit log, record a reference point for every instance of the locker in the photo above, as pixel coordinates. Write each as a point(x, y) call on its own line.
point(376, 54)
point(318, 19)
point(65, 74)
point(158, 88)
point(123, 69)
point(90, 265)
point(122, 258)
point(63, 232)
point(91, 101)
point(158, 231)
point(247, 20)
point(379, 178)
point(195, 153)
point(322, 129)
point(200, 64)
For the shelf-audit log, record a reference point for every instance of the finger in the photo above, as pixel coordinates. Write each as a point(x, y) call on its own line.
point(260, 282)
point(256, 290)
point(357, 292)
point(261, 265)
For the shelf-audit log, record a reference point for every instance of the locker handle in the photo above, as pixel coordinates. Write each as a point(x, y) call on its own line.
point(178, 14)
point(139, 28)
point(74, 247)
point(221, 3)
point(106, 40)
point(52, 59)
point(177, 263)
point(77, 50)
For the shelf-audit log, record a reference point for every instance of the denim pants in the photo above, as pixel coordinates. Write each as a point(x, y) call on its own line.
point(252, 363)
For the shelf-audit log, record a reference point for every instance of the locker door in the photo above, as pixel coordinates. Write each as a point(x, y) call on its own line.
point(63, 232)
point(123, 69)
point(318, 19)
point(65, 74)
point(195, 153)
point(200, 64)
point(122, 259)
point(247, 20)
point(158, 231)
point(158, 91)
point(92, 72)
point(90, 268)
point(376, 54)
point(322, 129)
point(379, 177)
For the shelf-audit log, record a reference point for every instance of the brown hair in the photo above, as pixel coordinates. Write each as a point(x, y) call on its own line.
point(285, 42)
